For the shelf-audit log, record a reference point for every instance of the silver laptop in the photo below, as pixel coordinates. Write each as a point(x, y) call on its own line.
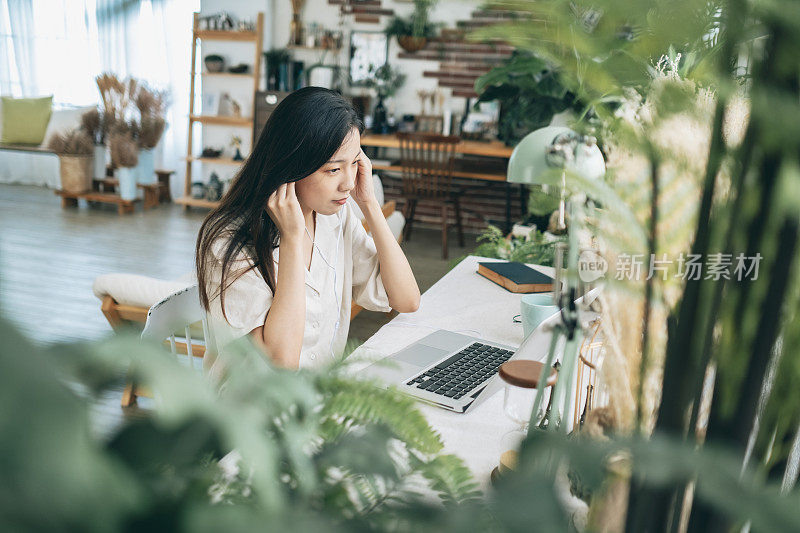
point(457, 372)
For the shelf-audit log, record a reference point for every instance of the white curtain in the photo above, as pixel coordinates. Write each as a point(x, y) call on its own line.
point(16, 27)
point(58, 47)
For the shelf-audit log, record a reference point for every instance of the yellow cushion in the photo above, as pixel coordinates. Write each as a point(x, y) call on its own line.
point(25, 119)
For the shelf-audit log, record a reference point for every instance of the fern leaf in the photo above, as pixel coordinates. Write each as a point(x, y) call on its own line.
point(361, 402)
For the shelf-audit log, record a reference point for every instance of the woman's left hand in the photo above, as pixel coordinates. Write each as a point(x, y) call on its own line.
point(364, 191)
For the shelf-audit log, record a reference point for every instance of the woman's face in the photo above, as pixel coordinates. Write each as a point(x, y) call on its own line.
point(326, 190)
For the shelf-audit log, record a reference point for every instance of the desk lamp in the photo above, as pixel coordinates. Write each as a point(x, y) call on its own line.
point(555, 147)
point(533, 161)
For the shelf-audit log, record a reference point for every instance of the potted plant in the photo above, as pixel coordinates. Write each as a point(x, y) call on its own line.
point(385, 80)
point(124, 157)
point(151, 105)
point(277, 69)
point(530, 92)
point(413, 32)
point(75, 152)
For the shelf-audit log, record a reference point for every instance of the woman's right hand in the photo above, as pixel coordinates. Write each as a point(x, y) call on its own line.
point(284, 209)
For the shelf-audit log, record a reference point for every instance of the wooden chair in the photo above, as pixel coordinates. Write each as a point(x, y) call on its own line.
point(175, 313)
point(429, 124)
point(427, 164)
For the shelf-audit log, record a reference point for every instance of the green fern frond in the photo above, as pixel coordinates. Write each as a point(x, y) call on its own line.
point(450, 477)
point(360, 402)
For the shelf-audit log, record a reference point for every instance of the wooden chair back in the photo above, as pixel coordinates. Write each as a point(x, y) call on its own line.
point(427, 161)
point(429, 124)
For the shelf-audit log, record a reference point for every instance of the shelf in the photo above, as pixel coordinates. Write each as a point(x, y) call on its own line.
point(217, 35)
point(222, 121)
point(216, 160)
point(312, 48)
point(246, 75)
point(195, 202)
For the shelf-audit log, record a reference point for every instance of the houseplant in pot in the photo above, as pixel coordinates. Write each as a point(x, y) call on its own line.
point(75, 154)
point(151, 105)
point(530, 92)
point(277, 69)
point(124, 158)
point(414, 31)
point(385, 80)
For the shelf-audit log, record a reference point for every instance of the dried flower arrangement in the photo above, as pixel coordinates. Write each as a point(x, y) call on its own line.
point(139, 108)
point(151, 105)
point(124, 152)
point(117, 96)
point(94, 123)
point(72, 142)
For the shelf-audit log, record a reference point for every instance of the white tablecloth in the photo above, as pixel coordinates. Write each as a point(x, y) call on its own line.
point(465, 302)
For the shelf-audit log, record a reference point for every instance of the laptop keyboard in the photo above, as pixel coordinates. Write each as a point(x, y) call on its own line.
point(462, 372)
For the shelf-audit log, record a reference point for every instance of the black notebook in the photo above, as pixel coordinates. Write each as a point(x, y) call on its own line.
point(516, 277)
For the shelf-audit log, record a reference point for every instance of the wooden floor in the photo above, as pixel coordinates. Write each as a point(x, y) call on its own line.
point(49, 258)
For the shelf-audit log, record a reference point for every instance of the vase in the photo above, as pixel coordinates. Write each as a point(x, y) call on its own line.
point(127, 182)
point(99, 164)
point(145, 169)
point(76, 172)
point(379, 124)
point(296, 30)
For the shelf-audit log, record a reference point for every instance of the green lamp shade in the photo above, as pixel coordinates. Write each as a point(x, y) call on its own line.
point(528, 162)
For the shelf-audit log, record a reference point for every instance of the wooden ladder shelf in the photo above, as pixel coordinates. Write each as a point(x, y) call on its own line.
point(254, 38)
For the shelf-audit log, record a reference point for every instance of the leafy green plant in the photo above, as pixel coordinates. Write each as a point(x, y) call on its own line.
point(530, 91)
point(538, 249)
point(385, 80)
point(719, 340)
point(415, 25)
point(312, 447)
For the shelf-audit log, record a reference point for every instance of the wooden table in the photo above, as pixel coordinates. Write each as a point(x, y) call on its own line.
point(491, 166)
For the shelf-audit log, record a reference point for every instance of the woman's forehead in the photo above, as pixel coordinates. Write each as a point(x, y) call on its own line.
point(350, 148)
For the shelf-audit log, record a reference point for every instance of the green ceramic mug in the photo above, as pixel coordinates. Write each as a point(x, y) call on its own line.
point(535, 308)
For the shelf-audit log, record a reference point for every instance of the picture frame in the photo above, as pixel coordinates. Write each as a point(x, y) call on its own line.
point(367, 48)
point(210, 104)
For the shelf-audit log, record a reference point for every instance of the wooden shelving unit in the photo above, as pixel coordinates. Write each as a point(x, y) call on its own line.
point(195, 117)
point(233, 75)
point(216, 160)
point(221, 120)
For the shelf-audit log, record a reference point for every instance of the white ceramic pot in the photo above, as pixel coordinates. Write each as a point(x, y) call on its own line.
point(146, 170)
point(127, 182)
point(100, 161)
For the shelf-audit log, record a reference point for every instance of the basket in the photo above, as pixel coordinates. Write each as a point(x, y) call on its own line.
point(76, 172)
point(411, 44)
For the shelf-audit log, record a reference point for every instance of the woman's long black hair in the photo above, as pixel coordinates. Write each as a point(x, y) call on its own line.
point(301, 135)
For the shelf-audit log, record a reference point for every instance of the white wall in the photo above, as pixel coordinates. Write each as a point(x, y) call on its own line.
point(323, 13)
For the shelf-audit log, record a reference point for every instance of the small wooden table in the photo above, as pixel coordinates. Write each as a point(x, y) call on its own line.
point(70, 199)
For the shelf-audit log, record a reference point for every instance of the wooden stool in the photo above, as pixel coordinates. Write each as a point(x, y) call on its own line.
point(164, 195)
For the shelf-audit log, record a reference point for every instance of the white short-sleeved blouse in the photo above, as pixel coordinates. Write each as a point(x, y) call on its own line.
point(340, 242)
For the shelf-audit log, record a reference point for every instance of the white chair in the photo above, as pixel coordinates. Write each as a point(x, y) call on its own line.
point(177, 313)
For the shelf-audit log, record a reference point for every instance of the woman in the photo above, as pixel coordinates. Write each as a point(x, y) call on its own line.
point(283, 256)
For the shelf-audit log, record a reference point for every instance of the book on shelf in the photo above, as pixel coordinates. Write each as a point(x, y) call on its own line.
point(516, 277)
